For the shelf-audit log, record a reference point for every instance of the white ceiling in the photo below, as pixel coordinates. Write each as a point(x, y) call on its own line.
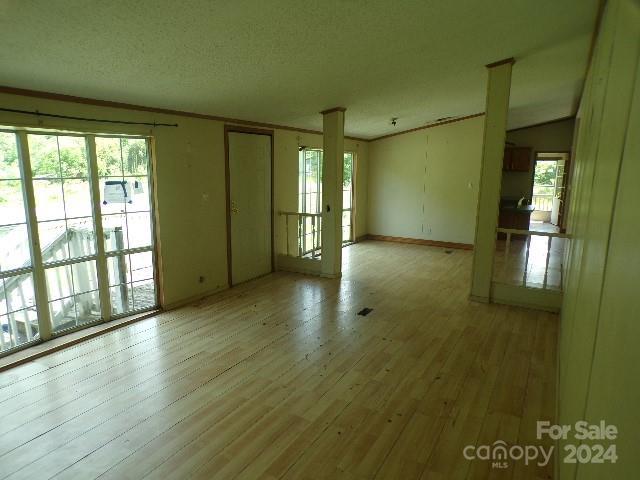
point(283, 61)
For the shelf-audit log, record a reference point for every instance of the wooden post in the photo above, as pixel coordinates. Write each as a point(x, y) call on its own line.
point(495, 122)
point(332, 164)
point(313, 236)
point(546, 262)
point(526, 262)
point(122, 269)
point(286, 220)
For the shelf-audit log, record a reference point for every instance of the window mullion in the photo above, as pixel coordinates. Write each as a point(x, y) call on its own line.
point(103, 274)
point(39, 280)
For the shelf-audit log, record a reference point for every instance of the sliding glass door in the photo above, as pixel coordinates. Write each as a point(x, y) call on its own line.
point(18, 314)
point(66, 230)
point(76, 232)
point(125, 207)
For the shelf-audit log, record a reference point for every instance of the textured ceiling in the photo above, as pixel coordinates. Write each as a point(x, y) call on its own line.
point(282, 61)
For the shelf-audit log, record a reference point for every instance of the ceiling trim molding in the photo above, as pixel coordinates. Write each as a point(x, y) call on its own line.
point(541, 124)
point(164, 111)
point(429, 125)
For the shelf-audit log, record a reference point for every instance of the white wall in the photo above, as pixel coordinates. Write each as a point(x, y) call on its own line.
point(190, 184)
point(424, 184)
point(600, 322)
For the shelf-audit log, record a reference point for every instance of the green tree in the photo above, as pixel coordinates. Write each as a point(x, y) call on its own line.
point(73, 162)
point(347, 176)
point(8, 156)
point(134, 155)
point(43, 151)
point(545, 173)
point(109, 157)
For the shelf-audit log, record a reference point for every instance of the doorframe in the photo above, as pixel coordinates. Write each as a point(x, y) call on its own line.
point(107, 321)
point(227, 179)
point(565, 181)
point(354, 167)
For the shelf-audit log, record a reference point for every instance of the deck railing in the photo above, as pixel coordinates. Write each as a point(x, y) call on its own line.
point(542, 203)
point(21, 330)
point(304, 231)
point(530, 258)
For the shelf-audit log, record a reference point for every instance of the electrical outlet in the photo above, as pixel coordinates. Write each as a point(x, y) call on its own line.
point(201, 279)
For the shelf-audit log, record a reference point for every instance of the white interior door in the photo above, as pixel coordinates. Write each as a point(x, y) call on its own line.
point(250, 203)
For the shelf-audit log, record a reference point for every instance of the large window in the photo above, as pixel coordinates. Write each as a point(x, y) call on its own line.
point(76, 232)
point(310, 197)
point(18, 315)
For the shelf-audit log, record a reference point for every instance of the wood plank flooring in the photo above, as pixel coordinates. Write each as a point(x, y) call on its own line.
point(280, 378)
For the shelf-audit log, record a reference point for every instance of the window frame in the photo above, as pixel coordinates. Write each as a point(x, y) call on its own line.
point(302, 198)
point(38, 267)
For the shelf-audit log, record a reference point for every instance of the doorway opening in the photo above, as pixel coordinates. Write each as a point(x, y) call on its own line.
point(548, 191)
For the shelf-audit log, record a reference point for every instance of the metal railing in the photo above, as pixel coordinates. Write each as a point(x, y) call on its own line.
point(307, 233)
point(530, 258)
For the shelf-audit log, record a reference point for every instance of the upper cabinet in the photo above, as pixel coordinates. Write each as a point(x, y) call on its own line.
point(517, 159)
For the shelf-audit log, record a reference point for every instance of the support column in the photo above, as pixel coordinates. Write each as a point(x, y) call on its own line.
point(495, 124)
point(332, 166)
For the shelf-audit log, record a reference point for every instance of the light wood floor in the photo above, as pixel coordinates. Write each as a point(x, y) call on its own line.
point(279, 378)
point(511, 269)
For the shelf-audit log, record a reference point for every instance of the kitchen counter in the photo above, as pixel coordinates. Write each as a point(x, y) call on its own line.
point(513, 216)
point(514, 208)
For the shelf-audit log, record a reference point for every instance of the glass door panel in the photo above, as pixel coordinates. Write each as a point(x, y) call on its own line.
point(125, 203)
point(347, 198)
point(64, 211)
point(131, 282)
point(18, 315)
point(73, 295)
point(64, 283)
point(62, 192)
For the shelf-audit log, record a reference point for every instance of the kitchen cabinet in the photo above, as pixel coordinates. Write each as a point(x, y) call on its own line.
point(512, 216)
point(517, 159)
